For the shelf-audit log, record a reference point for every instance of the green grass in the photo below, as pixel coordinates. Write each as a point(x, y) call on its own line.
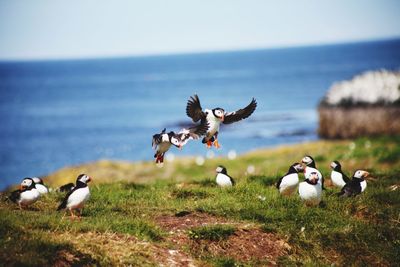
point(120, 223)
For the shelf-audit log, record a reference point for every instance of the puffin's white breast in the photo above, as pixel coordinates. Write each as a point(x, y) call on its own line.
point(213, 123)
point(363, 185)
point(310, 193)
point(337, 179)
point(223, 180)
point(29, 196)
point(289, 183)
point(41, 188)
point(78, 198)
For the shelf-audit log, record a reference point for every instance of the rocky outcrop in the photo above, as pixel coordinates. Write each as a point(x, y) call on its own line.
point(369, 104)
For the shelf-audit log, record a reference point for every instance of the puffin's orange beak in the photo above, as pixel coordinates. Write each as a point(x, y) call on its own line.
point(366, 174)
point(223, 118)
point(90, 179)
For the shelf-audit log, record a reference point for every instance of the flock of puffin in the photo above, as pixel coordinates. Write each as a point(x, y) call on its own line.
point(310, 190)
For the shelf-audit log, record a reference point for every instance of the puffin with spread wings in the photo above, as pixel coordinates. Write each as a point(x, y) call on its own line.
point(162, 142)
point(215, 116)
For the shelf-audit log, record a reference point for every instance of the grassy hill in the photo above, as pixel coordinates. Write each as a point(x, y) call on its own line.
point(143, 215)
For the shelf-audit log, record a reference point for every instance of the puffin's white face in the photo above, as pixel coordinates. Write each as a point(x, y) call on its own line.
point(26, 183)
point(298, 167)
point(219, 169)
point(306, 160)
point(176, 142)
point(219, 113)
point(333, 164)
point(361, 174)
point(85, 178)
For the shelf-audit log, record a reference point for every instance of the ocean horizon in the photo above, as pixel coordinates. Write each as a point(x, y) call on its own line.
point(58, 113)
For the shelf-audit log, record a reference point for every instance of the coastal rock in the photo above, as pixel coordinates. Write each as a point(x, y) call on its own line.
point(368, 104)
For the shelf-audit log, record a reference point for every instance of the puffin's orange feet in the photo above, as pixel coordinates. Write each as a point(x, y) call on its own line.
point(216, 144)
point(209, 144)
point(160, 159)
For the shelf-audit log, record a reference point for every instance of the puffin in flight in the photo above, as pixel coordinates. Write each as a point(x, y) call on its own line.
point(76, 198)
point(215, 116)
point(162, 142)
point(26, 195)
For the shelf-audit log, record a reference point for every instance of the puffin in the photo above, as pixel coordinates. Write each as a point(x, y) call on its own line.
point(310, 190)
point(338, 178)
point(76, 198)
point(162, 142)
point(27, 193)
point(311, 167)
point(287, 184)
point(222, 178)
point(40, 186)
point(214, 117)
point(66, 188)
point(354, 187)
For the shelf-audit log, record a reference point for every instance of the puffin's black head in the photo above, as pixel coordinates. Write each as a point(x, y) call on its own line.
point(335, 165)
point(219, 113)
point(83, 178)
point(296, 168)
point(309, 161)
point(27, 183)
point(313, 178)
point(360, 174)
point(221, 169)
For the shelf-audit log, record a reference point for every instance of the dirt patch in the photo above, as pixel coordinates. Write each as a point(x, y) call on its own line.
point(248, 243)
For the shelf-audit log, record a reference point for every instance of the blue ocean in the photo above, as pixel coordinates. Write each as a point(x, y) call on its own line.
point(59, 113)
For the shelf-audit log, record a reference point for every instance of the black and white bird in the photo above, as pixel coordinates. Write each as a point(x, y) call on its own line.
point(215, 116)
point(67, 187)
point(162, 142)
point(287, 184)
point(40, 185)
point(312, 167)
point(338, 178)
point(75, 199)
point(27, 193)
point(310, 190)
point(222, 178)
point(354, 187)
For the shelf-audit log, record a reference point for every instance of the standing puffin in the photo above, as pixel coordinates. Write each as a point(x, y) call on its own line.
point(40, 186)
point(76, 198)
point(310, 190)
point(353, 187)
point(215, 116)
point(222, 178)
point(26, 195)
point(338, 178)
point(287, 184)
point(311, 167)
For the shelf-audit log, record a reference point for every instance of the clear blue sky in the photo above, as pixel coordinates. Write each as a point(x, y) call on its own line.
point(39, 29)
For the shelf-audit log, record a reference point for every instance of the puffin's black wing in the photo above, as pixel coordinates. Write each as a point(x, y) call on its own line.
point(346, 179)
point(67, 187)
point(194, 110)
point(232, 180)
point(14, 196)
point(241, 113)
point(279, 182)
point(63, 204)
point(200, 129)
point(157, 138)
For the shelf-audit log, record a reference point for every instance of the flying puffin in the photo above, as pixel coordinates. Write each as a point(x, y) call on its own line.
point(310, 190)
point(338, 178)
point(162, 142)
point(76, 198)
point(311, 167)
point(26, 195)
point(353, 187)
point(215, 116)
point(222, 178)
point(40, 186)
point(287, 184)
